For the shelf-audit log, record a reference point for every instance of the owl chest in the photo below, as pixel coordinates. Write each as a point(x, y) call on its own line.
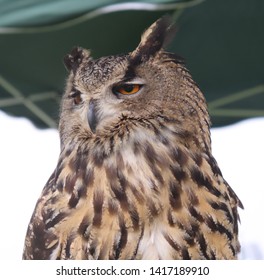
point(135, 204)
point(120, 204)
point(153, 245)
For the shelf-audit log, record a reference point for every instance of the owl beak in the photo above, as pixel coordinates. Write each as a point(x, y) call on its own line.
point(92, 115)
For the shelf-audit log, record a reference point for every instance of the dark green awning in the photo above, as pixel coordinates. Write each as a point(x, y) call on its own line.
point(222, 42)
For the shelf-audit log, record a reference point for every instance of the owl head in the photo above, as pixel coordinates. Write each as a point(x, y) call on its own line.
point(107, 94)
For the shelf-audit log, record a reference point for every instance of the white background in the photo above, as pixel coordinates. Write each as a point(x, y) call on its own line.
point(28, 156)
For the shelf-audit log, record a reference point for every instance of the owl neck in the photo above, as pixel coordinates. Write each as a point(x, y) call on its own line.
point(137, 133)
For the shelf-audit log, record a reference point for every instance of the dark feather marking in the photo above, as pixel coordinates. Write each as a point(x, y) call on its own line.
point(189, 240)
point(153, 161)
point(160, 135)
point(47, 213)
point(202, 128)
point(83, 227)
point(170, 219)
point(84, 159)
point(151, 154)
point(152, 208)
point(134, 217)
point(202, 181)
point(58, 171)
point(193, 198)
point(92, 249)
point(60, 185)
point(111, 144)
point(99, 157)
point(152, 157)
point(195, 214)
point(133, 257)
point(54, 221)
point(70, 182)
point(120, 195)
point(186, 137)
point(172, 243)
point(118, 184)
point(222, 206)
point(185, 254)
point(217, 227)
point(137, 194)
point(130, 72)
point(190, 235)
point(67, 153)
point(136, 148)
point(198, 159)
point(157, 174)
point(75, 197)
point(41, 238)
point(54, 199)
point(203, 246)
point(212, 255)
point(195, 227)
point(68, 246)
point(233, 195)
point(79, 161)
point(112, 207)
point(212, 162)
point(120, 192)
point(175, 195)
point(232, 249)
point(180, 226)
point(88, 177)
point(122, 180)
point(178, 172)
point(226, 197)
point(38, 239)
point(236, 216)
point(123, 238)
point(154, 187)
point(180, 156)
point(98, 200)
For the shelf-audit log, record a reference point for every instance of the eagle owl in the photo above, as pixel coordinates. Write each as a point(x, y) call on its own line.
point(135, 178)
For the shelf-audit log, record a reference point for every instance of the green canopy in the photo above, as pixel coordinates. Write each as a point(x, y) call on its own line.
point(221, 41)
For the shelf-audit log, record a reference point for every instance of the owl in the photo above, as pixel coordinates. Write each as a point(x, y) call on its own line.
point(135, 178)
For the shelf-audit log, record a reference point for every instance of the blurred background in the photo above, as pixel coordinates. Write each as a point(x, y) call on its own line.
point(222, 43)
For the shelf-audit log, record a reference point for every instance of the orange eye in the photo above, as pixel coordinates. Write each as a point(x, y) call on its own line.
point(126, 89)
point(76, 96)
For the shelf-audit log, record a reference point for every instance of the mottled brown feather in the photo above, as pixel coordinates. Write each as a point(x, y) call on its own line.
point(141, 181)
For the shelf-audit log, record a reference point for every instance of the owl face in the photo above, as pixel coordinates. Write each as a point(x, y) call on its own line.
point(146, 83)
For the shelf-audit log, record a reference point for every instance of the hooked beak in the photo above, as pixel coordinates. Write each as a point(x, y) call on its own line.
point(92, 115)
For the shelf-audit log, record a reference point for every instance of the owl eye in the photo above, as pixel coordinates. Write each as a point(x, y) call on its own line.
point(76, 96)
point(126, 89)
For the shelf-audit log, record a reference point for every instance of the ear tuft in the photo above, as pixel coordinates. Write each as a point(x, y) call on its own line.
point(75, 58)
point(153, 39)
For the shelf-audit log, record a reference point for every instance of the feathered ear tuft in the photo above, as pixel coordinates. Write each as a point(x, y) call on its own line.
point(75, 58)
point(153, 39)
